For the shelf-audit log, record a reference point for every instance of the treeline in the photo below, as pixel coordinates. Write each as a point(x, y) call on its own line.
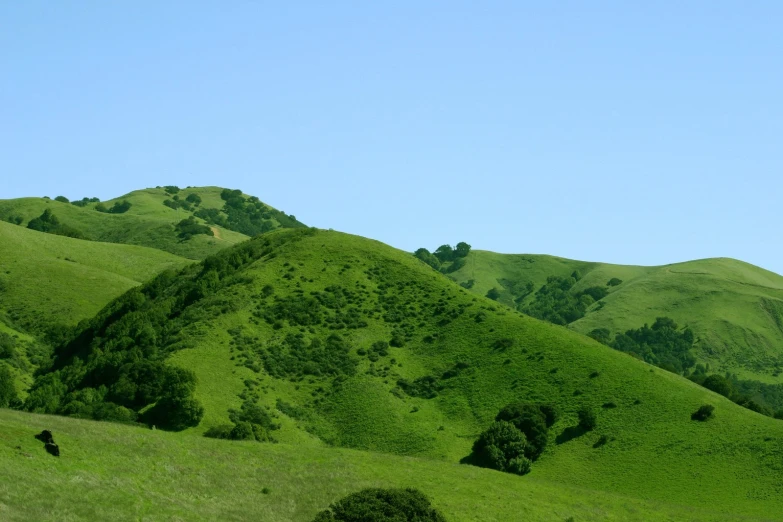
point(666, 346)
point(556, 303)
point(446, 258)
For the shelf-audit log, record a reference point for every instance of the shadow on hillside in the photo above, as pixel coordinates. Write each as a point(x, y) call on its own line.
point(470, 460)
point(570, 433)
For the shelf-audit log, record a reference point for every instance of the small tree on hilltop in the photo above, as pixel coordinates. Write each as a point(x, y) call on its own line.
point(462, 249)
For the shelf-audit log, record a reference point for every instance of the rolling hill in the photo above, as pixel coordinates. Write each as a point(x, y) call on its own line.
point(150, 221)
point(332, 339)
point(734, 308)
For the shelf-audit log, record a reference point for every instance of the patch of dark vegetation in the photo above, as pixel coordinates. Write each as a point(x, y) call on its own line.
point(502, 447)
point(375, 504)
point(8, 393)
point(119, 207)
point(85, 201)
point(49, 223)
point(250, 422)
point(587, 419)
point(703, 413)
point(426, 387)
point(247, 215)
point(446, 259)
point(187, 228)
point(556, 303)
point(752, 395)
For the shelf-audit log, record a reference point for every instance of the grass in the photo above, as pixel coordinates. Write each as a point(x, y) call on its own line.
point(655, 453)
point(734, 308)
point(114, 472)
point(148, 222)
point(58, 281)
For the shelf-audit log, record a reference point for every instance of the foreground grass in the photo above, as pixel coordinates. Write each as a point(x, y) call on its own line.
point(114, 472)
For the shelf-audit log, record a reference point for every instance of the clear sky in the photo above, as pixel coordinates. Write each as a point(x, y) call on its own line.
point(627, 132)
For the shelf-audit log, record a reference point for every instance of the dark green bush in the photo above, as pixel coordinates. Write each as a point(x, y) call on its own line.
point(62, 199)
point(426, 387)
point(493, 293)
point(188, 228)
point(587, 419)
point(614, 282)
point(382, 505)
point(48, 222)
point(703, 413)
point(533, 420)
point(8, 394)
point(502, 447)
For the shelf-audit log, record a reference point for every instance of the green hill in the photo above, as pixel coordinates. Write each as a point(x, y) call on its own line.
point(734, 308)
point(152, 217)
point(297, 323)
point(108, 471)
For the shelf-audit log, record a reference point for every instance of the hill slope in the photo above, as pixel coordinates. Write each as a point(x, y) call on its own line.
point(290, 320)
point(734, 308)
point(149, 221)
point(112, 472)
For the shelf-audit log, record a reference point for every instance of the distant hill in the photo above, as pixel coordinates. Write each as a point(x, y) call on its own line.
point(150, 218)
point(332, 339)
point(734, 308)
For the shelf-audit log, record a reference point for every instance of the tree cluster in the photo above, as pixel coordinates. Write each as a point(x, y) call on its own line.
point(49, 223)
point(556, 303)
point(382, 505)
point(446, 258)
point(119, 207)
point(187, 228)
point(85, 201)
point(661, 344)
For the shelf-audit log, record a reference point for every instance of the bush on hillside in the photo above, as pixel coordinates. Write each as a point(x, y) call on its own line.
point(16, 219)
point(614, 282)
point(187, 228)
point(703, 413)
point(662, 345)
point(382, 505)
point(493, 293)
point(62, 199)
point(193, 199)
point(533, 420)
point(85, 201)
point(8, 396)
point(171, 189)
point(587, 419)
point(556, 303)
point(502, 447)
point(426, 387)
point(120, 207)
point(48, 222)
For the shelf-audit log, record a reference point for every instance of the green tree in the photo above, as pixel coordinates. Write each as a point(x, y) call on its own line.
point(502, 447)
point(62, 199)
point(382, 505)
point(587, 419)
point(8, 395)
point(444, 253)
point(462, 249)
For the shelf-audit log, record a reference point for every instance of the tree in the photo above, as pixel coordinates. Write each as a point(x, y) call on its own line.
point(382, 505)
point(533, 420)
point(444, 253)
point(462, 249)
point(614, 282)
point(428, 258)
point(719, 384)
point(587, 419)
point(703, 413)
point(62, 199)
point(195, 199)
point(502, 447)
point(8, 395)
point(493, 293)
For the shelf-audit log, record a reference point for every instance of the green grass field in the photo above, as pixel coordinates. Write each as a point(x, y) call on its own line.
point(734, 308)
point(113, 472)
point(54, 280)
point(655, 452)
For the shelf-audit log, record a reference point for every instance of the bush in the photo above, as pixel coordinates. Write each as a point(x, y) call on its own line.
point(171, 189)
point(703, 413)
point(587, 419)
point(8, 394)
point(614, 282)
point(426, 387)
point(382, 505)
point(48, 222)
point(493, 293)
point(120, 207)
point(188, 228)
point(62, 199)
point(502, 447)
point(533, 421)
point(194, 199)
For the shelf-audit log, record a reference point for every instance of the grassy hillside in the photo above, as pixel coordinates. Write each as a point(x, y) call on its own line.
point(734, 308)
point(112, 472)
point(53, 281)
point(289, 321)
point(148, 222)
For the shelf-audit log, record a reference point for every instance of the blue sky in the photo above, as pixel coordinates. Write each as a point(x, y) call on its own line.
point(593, 130)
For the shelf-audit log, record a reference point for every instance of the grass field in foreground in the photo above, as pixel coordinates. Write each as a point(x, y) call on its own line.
point(113, 472)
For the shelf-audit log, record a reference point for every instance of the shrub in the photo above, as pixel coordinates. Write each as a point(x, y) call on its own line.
point(62, 199)
point(614, 282)
point(120, 207)
point(381, 505)
point(502, 447)
point(48, 222)
point(194, 199)
point(703, 413)
point(493, 293)
point(533, 421)
point(7, 389)
point(171, 189)
point(587, 419)
point(426, 387)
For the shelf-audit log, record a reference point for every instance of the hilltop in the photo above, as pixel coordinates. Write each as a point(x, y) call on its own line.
point(735, 309)
point(332, 339)
point(157, 218)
